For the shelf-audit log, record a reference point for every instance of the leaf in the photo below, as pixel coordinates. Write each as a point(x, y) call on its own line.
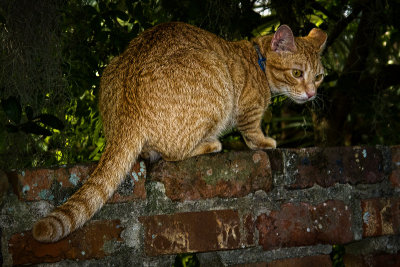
point(119, 14)
point(134, 31)
point(267, 116)
point(51, 121)
point(33, 128)
point(12, 108)
point(95, 154)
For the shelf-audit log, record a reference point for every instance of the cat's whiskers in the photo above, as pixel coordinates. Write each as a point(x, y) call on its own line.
point(318, 103)
point(276, 96)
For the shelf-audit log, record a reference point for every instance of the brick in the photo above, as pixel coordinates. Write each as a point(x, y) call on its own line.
point(381, 216)
point(327, 166)
point(222, 175)
point(395, 174)
point(133, 186)
point(86, 243)
point(58, 184)
point(249, 229)
point(387, 260)
point(255, 264)
point(301, 224)
point(318, 260)
point(193, 232)
point(276, 160)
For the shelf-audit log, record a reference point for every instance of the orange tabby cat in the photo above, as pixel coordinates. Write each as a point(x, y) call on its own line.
point(174, 90)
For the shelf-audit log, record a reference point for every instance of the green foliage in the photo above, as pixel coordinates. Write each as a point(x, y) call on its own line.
point(186, 260)
point(91, 33)
point(337, 254)
point(33, 91)
point(234, 19)
point(94, 33)
point(38, 125)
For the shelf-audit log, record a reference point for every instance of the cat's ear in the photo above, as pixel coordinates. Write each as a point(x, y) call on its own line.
point(283, 40)
point(318, 38)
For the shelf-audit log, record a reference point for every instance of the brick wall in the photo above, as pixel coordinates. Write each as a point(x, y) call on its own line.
point(283, 207)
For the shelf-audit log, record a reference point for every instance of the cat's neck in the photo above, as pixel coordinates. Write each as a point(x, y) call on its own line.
point(245, 70)
point(263, 43)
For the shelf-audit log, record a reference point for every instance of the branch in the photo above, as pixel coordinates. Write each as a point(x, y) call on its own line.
point(364, 38)
point(317, 6)
point(341, 25)
point(286, 14)
point(269, 19)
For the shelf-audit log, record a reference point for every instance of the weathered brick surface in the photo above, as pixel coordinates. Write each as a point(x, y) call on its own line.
point(57, 184)
point(224, 175)
point(381, 216)
point(193, 232)
point(303, 224)
point(222, 183)
point(276, 160)
point(395, 174)
point(327, 166)
point(248, 229)
point(319, 260)
point(86, 243)
point(386, 260)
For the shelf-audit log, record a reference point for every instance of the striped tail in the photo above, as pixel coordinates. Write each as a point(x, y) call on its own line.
point(115, 162)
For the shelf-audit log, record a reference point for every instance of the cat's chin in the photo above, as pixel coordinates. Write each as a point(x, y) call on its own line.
point(301, 100)
point(297, 98)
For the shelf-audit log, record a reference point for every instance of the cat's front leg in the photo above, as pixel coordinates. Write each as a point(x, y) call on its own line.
point(250, 128)
point(257, 140)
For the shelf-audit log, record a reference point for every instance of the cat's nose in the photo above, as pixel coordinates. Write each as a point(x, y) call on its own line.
point(310, 93)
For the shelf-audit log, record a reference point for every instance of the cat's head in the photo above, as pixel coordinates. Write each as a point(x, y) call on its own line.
point(294, 68)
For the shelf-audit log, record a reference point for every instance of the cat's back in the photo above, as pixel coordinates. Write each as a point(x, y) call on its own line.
point(172, 56)
point(167, 38)
point(167, 64)
point(173, 46)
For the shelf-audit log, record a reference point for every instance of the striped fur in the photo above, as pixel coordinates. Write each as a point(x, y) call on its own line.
point(172, 92)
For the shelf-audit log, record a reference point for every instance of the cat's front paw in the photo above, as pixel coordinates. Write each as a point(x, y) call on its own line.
point(271, 142)
point(264, 143)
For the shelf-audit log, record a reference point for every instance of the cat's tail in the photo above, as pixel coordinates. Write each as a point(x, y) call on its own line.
point(115, 162)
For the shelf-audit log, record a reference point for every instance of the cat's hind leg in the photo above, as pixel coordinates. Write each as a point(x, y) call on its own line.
point(150, 155)
point(205, 147)
point(208, 146)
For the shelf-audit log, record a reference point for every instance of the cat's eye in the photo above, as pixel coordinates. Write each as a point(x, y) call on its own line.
point(319, 77)
point(297, 73)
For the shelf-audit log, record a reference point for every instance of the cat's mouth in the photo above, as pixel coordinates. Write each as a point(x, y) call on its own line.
point(297, 97)
point(301, 98)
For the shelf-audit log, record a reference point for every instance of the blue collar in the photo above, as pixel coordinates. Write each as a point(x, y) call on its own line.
point(261, 58)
